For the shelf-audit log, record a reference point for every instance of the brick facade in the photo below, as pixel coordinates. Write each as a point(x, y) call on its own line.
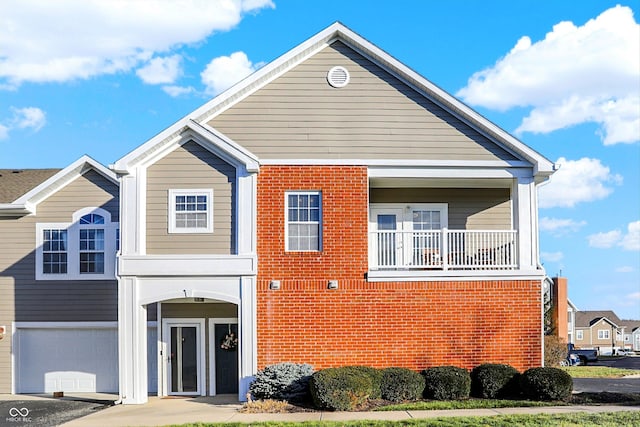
point(410, 324)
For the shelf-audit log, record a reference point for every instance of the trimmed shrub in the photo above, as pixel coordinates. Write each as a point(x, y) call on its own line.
point(375, 375)
point(340, 389)
point(446, 383)
point(283, 381)
point(546, 384)
point(399, 384)
point(490, 381)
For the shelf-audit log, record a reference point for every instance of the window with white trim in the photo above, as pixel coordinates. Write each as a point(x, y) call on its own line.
point(54, 251)
point(91, 244)
point(191, 211)
point(303, 221)
point(579, 335)
point(83, 249)
point(603, 334)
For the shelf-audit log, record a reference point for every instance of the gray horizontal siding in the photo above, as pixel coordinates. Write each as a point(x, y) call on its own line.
point(469, 209)
point(375, 116)
point(191, 167)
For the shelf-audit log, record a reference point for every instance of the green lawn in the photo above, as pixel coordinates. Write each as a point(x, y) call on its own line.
point(607, 419)
point(598, 372)
point(464, 404)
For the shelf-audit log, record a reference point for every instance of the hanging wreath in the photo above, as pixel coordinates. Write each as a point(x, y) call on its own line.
point(230, 341)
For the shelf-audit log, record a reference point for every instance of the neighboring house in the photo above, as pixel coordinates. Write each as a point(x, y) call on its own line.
point(333, 208)
point(602, 330)
point(631, 334)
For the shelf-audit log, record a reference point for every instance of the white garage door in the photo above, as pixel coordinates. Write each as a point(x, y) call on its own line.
point(69, 360)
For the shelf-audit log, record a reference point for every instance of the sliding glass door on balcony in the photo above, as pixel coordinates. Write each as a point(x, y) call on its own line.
point(408, 236)
point(416, 237)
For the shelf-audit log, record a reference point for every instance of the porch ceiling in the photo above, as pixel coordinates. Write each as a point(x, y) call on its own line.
point(440, 183)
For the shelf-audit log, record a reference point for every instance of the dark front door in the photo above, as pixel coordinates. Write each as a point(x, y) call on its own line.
point(227, 344)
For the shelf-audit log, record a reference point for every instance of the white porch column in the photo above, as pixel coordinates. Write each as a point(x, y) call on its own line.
point(248, 339)
point(525, 211)
point(132, 344)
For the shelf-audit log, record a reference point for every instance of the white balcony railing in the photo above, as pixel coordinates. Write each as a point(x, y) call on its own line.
point(443, 249)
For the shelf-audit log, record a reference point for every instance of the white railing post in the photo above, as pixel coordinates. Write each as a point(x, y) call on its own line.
point(445, 249)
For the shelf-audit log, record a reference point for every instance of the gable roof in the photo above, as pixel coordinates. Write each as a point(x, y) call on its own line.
point(58, 178)
point(16, 182)
point(542, 167)
point(630, 325)
point(586, 319)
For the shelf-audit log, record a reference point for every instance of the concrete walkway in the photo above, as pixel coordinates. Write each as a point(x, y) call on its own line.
point(160, 412)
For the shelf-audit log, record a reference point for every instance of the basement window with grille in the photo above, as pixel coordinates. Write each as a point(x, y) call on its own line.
point(338, 77)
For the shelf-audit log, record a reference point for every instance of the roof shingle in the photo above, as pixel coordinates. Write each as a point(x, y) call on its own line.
point(17, 182)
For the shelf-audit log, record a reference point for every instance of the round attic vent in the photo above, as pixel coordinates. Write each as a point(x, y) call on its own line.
point(338, 77)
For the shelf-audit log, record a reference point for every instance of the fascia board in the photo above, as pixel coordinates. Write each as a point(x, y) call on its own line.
point(11, 209)
point(64, 177)
point(227, 145)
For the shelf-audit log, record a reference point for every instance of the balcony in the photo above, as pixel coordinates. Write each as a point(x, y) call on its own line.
point(443, 250)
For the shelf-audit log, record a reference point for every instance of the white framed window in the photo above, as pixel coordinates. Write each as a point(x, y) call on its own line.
point(303, 221)
point(83, 249)
point(54, 251)
point(603, 334)
point(579, 335)
point(191, 211)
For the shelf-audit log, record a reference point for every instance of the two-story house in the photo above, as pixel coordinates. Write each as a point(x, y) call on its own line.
point(602, 330)
point(333, 208)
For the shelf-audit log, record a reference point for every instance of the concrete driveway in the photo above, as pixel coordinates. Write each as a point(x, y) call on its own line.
point(41, 411)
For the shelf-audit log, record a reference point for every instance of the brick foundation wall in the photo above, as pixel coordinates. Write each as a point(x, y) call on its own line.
point(409, 324)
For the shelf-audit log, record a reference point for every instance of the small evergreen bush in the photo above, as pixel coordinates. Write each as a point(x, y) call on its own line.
point(340, 389)
point(546, 384)
point(446, 383)
point(375, 375)
point(283, 381)
point(490, 381)
point(399, 384)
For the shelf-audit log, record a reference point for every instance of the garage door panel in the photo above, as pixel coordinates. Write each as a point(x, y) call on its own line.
point(69, 360)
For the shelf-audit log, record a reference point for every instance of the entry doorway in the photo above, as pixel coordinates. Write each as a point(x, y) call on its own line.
point(224, 356)
point(185, 346)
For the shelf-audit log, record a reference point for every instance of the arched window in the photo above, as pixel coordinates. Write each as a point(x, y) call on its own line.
point(83, 249)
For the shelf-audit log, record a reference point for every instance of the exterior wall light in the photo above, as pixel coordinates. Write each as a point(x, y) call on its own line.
point(274, 285)
point(333, 284)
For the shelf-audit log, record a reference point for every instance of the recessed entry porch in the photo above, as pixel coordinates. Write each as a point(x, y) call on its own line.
point(198, 347)
point(205, 336)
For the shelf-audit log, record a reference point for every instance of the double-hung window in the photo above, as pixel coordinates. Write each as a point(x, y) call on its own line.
point(603, 334)
point(54, 251)
point(91, 244)
point(190, 211)
point(303, 221)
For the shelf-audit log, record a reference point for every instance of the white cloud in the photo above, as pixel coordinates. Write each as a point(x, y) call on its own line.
point(178, 90)
point(225, 71)
point(161, 70)
point(64, 40)
point(576, 74)
point(551, 256)
point(629, 241)
point(560, 227)
point(32, 118)
point(29, 118)
point(604, 240)
point(577, 181)
point(625, 269)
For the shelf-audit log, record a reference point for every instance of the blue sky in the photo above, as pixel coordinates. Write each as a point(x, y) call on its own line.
point(100, 78)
